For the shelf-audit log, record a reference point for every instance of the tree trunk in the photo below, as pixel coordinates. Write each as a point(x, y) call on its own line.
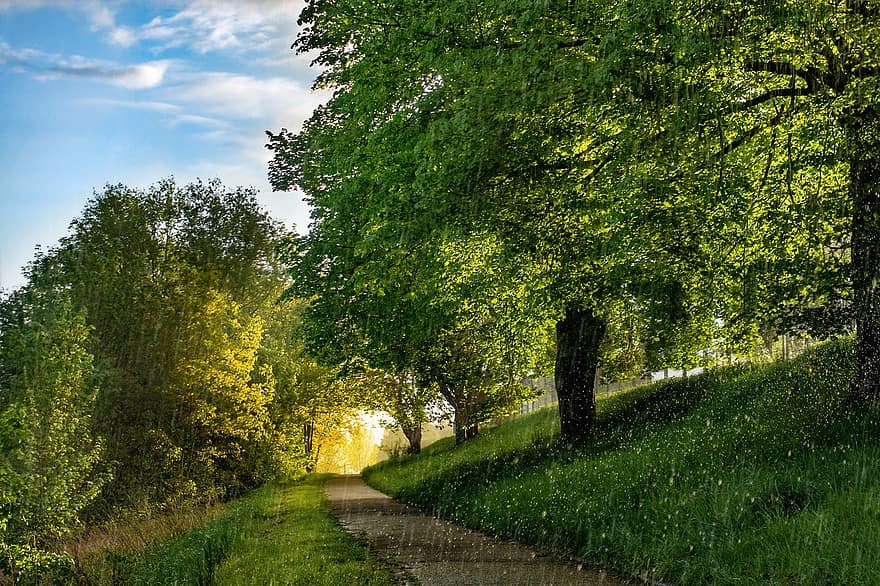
point(578, 335)
point(308, 440)
point(464, 429)
point(863, 138)
point(414, 437)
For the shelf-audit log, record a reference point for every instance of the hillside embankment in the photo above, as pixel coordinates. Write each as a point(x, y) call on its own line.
point(750, 474)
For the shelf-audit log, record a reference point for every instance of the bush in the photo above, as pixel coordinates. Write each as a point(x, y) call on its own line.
point(27, 565)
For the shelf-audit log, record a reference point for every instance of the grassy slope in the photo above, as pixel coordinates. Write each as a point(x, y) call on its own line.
point(746, 475)
point(278, 534)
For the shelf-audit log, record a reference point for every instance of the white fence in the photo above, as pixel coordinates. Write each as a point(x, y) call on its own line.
point(549, 397)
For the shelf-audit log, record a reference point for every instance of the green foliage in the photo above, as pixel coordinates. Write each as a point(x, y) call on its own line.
point(474, 154)
point(477, 384)
point(28, 566)
point(699, 165)
point(173, 287)
point(226, 409)
point(749, 474)
point(312, 403)
point(50, 459)
point(405, 403)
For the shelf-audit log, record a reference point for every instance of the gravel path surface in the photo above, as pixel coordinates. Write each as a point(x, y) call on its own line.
point(430, 551)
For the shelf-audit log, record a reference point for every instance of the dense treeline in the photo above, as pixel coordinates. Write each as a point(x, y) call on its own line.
point(148, 363)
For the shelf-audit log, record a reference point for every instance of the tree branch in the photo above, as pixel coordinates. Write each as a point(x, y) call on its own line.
point(765, 97)
point(812, 75)
point(749, 134)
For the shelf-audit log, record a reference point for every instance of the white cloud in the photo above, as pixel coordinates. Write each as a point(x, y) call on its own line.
point(24, 4)
point(273, 100)
point(136, 104)
point(174, 114)
point(21, 56)
point(144, 75)
point(122, 36)
point(99, 13)
point(197, 120)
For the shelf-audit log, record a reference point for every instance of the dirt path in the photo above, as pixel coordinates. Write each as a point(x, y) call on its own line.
point(433, 552)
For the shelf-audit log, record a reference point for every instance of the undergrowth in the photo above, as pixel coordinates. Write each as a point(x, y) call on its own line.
point(751, 474)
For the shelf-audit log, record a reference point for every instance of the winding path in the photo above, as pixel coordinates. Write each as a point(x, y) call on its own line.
point(432, 552)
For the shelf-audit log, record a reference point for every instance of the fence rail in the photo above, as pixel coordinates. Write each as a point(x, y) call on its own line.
point(784, 347)
point(549, 397)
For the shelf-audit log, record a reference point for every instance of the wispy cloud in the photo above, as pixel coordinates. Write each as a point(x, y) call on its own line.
point(133, 77)
point(202, 26)
point(123, 36)
point(245, 97)
point(196, 120)
point(207, 26)
point(12, 56)
point(100, 14)
point(136, 105)
point(47, 66)
point(173, 113)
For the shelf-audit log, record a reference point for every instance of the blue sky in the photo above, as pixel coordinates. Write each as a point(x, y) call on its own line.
point(99, 91)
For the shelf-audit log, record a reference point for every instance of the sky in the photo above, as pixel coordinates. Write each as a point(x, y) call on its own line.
point(97, 92)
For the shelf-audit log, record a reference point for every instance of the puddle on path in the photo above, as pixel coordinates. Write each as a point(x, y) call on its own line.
point(438, 553)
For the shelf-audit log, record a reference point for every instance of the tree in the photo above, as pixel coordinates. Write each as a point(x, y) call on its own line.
point(50, 458)
point(454, 120)
point(820, 62)
point(379, 308)
point(174, 282)
point(313, 404)
point(407, 403)
point(223, 407)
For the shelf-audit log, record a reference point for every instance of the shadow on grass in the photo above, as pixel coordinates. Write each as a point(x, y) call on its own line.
point(622, 418)
point(746, 418)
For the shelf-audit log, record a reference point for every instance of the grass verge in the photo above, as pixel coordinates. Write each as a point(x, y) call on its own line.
point(278, 534)
point(745, 475)
point(294, 540)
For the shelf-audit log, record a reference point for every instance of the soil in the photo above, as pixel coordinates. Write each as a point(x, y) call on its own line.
point(429, 551)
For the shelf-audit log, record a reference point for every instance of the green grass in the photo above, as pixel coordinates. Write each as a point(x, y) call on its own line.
point(295, 541)
point(278, 534)
point(745, 475)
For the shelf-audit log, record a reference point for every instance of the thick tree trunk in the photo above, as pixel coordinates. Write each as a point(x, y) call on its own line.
point(863, 137)
point(578, 336)
point(414, 437)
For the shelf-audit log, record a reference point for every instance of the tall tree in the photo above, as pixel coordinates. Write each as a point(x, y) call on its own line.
point(174, 281)
point(792, 87)
point(464, 117)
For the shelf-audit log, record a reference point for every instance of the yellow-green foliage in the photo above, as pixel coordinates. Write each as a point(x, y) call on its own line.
point(227, 408)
